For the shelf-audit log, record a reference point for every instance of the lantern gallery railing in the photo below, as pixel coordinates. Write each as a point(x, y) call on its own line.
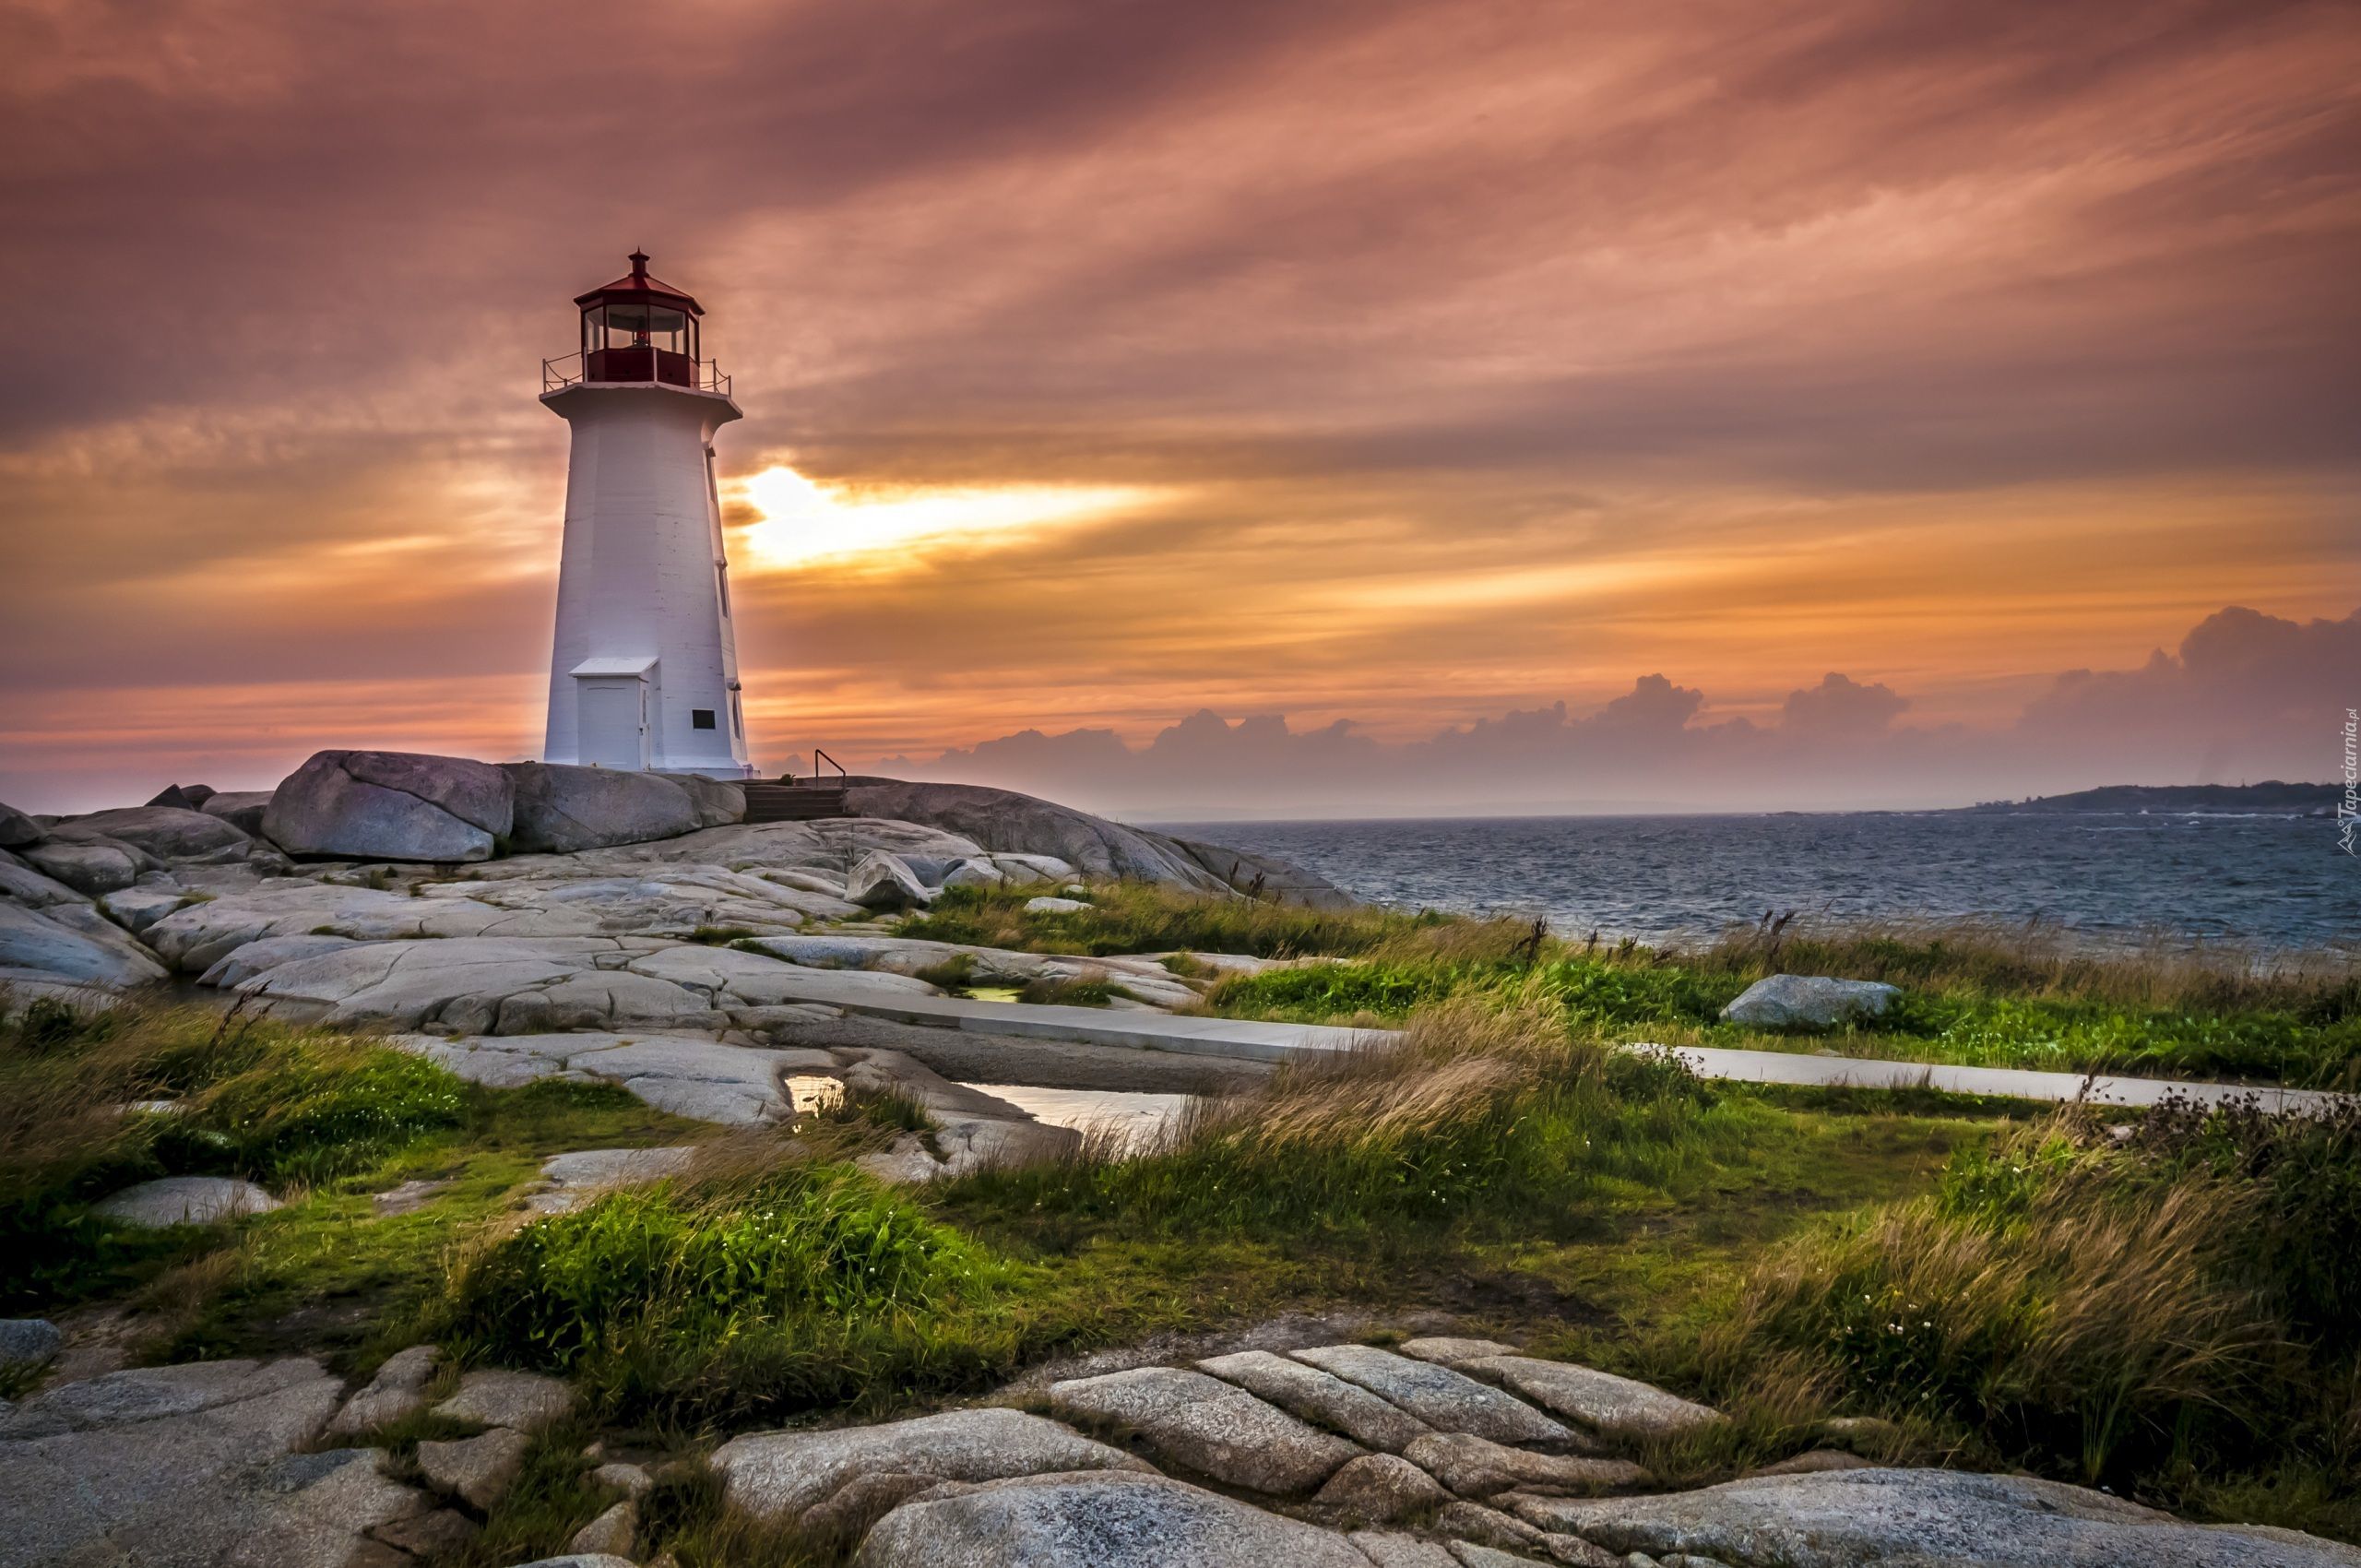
point(633, 364)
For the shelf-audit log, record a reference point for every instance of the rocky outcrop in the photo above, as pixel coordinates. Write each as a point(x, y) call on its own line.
point(882, 880)
point(1924, 1518)
point(1809, 1001)
point(524, 1401)
point(166, 833)
point(392, 806)
point(190, 1466)
point(88, 866)
point(561, 809)
point(1005, 820)
point(17, 829)
point(242, 809)
point(69, 943)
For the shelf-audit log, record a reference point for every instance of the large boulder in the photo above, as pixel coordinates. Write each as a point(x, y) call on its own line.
point(91, 950)
point(169, 833)
point(17, 829)
point(392, 806)
point(1809, 1001)
point(89, 867)
point(1926, 1518)
point(563, 810)
point(189, 796)
point(1005, 822)
point(718, 801)
point(882, 880)
point(243, 809)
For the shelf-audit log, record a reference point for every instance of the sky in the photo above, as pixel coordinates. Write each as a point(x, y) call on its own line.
point(1275, 407)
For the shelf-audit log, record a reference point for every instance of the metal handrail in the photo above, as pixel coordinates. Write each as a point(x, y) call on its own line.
point(819, 756)
point(567, 370)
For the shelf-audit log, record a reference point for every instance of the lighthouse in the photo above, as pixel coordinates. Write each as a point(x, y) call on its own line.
point(644, 673)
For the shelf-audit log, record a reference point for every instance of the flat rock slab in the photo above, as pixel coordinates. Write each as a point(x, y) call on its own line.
point(184, 1200)
point(1476, 1467)
point(188, 1466)
point(1098, 1520)
point(1444, 1399)
point(776, 1476)
point(1207, 1426)
point(493, 1397)
point(1610, 1405)
point(1320, 1396)
point(1445, 1351)
point(1924, 1518)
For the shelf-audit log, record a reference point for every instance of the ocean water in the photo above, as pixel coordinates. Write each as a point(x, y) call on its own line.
point(2273, 882)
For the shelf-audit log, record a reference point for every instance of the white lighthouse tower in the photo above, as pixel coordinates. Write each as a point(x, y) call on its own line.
point(644, 673)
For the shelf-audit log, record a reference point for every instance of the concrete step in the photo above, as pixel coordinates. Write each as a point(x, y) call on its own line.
point(793, 803)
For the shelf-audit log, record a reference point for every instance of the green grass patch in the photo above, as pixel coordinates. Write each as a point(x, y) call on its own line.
point(2090, 1020)
point(2177, 1315)
point(802, 1287)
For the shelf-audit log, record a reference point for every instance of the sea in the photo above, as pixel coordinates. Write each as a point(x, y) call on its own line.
point(2269, 883)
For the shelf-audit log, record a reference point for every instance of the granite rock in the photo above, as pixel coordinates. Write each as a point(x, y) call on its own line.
point(1207, 1426)
point(1444, 1399)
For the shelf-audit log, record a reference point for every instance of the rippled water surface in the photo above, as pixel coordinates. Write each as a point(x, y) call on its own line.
point(2276, 881)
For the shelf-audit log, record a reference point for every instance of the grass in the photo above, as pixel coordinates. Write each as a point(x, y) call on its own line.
point(2174, 1315)
point(1971, 995)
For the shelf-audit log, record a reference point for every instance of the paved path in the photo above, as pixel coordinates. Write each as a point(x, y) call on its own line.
point(1239, 1038)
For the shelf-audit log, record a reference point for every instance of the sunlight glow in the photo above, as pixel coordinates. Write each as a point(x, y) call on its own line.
point(802, 522)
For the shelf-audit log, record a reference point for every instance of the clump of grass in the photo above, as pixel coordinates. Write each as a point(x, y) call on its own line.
point(956, 974)
point(2175, 1314)
point(759, 1288)
point(1069, 990)
point(1478, 1106)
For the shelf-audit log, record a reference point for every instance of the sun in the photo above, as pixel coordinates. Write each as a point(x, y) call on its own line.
point(804, 522)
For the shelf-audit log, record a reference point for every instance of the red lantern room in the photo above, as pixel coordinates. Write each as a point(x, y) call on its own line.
point(641, 328)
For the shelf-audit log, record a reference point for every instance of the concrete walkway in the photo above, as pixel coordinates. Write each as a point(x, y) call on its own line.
point(1249, 1040)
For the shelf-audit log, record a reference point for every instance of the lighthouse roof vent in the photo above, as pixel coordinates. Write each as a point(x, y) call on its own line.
point(637, 285)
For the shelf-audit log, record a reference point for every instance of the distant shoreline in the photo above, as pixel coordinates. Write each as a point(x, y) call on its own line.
point(2269, 798)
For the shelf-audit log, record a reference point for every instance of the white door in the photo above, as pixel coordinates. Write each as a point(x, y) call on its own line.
point(614, 723)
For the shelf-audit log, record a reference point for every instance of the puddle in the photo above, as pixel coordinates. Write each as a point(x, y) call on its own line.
point(810, 1092)
point(1134, 1118)
point(992, 993)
